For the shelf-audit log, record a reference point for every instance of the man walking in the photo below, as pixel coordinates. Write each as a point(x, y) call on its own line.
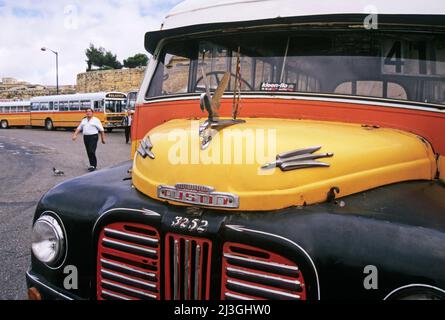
point(90, 127)
point(128, 119)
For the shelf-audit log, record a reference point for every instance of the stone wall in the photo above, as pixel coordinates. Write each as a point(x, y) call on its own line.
point(123, 80)
point(26, 92)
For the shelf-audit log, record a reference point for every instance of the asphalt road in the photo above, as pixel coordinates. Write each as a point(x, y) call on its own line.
point(27, 157)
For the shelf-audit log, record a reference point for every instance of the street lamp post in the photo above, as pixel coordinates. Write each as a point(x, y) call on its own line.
point(57, 66)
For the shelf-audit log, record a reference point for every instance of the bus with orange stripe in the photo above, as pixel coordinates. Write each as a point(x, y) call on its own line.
point(66, 111)
point(14, 114)
point(282, 149)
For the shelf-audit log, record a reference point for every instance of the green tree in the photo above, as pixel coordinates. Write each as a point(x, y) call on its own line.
point(101, 58)
point(138, 60)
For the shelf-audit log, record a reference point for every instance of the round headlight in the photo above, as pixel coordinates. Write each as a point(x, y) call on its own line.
point(48, 240)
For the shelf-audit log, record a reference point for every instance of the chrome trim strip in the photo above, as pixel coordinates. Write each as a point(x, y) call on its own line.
point(38, 281)
point(299, 152)
point(293, 165)
point(135, 281)
point(131, 236)
point(145, 212)
point(129, 246)
point(115, 285)
point(236, 296)
point(239, 228)
point(233, 197)
point(259, 262)
point(147, 274)
point(175, 270)
point(411, 105)
point(186, 269)
point(413, 286)
point(264, 290)
point(114, 295)
point(197, 271)
point(263, 276)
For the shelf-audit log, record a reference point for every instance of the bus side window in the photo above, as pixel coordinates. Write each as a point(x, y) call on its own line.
point(56, 106)
point(51, 106)
point(74, 105)
point(85, 104)
point(35, 106)
point(63, 106)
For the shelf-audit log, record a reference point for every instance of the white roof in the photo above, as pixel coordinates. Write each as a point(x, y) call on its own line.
point(73, 97)
point(15, 103)
point(191, 12)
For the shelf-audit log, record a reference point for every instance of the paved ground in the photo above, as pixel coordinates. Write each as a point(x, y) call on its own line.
point(27, 157)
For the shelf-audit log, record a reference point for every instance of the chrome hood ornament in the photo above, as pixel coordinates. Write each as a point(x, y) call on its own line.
point(145, 148)
point(211, 104)
point(299, 159)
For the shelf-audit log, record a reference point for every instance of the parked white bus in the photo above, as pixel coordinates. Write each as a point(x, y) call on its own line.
point(67, 110)
point(14, 114)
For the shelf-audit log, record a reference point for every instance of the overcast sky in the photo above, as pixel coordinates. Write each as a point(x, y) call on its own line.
point(69, 27)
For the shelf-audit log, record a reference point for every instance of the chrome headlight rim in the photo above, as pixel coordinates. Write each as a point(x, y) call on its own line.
point(49, 217)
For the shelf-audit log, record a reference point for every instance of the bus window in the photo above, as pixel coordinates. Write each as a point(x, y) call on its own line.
point(56, 106)
point(85, 104)
point(35, 106)
point(63, 106)
point(51, 106)
point(44, 106)
point(114, 106)
point(74, 105)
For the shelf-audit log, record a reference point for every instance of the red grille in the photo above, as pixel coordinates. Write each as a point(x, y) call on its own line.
point(187, 267)
point(250, 273)
point(128, 262)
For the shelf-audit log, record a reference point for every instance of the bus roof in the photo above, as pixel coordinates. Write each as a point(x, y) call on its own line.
point(192, 13)
point(76, 97)
point(22, 103)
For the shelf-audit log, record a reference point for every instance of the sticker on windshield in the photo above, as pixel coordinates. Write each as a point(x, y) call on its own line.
point(278, 86)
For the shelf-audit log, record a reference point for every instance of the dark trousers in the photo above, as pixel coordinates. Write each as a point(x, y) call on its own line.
point(127, 133)
point(91, 145)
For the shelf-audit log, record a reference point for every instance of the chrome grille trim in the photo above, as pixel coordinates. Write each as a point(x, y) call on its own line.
point(260, 291)
point(131, 237)
point(123, 246)
point(176, 270)
point(271, 266)
point(263, 278)
point(197, 271)
point(186, 269)
point(232, 296)
point(108, 263)
point(114, 295)
point(127, 289)
point(187, 265)
point(128, 262)
point(149, 286)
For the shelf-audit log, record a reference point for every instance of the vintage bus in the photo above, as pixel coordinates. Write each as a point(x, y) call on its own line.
point(283, 150)
point(67, 111)
point(14, 114)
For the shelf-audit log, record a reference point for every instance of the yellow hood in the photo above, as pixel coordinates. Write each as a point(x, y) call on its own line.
point(363, 158)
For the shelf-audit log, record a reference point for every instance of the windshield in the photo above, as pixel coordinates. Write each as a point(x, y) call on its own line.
point(131, 100)
point(114, 106)
point(396, 65)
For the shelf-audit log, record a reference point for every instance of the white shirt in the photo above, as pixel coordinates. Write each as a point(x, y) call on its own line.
point(90, 127)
